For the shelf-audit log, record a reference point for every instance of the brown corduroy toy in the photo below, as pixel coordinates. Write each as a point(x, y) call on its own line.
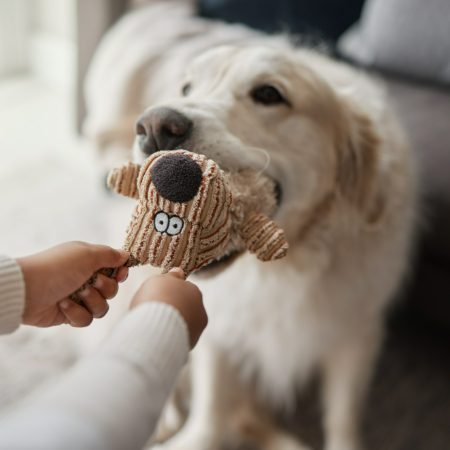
point(183, 215)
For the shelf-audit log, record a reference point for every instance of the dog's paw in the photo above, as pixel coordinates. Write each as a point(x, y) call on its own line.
point(344, 445)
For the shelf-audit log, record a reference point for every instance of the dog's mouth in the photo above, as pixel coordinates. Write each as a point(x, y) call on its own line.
point(235, 247)
point(278, 192)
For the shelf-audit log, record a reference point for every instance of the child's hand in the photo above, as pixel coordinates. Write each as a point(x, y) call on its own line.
point(172, 289)
point(52, 275)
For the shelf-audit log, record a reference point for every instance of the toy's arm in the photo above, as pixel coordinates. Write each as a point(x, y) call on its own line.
point(123, 179)
point(263, 237)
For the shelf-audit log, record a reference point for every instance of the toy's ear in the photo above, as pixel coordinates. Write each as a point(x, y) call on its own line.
point(123, 179)
point(263, 237)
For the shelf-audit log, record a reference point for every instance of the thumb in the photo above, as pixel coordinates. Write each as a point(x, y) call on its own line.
point(105, 256)
point(177, 272)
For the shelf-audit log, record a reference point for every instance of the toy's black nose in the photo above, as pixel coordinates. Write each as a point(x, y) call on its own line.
point(162, 129)
point(176, 177)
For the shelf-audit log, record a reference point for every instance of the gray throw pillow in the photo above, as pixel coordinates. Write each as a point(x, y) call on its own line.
point(411, 37)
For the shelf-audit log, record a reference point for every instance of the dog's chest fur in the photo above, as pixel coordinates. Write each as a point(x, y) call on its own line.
point(269, 324)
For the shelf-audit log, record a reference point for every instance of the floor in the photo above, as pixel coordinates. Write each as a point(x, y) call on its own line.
point(46, 171)
point(51, 192)
point(408, 407)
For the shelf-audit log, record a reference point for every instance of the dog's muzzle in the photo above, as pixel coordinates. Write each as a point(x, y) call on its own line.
point(162, 129)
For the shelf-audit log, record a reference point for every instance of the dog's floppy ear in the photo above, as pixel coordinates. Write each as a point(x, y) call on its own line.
point(357, 175)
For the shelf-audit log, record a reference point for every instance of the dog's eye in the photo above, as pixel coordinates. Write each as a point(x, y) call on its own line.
point(186, 89)
point(161, 222)
point(175, 226)
point(267, 95)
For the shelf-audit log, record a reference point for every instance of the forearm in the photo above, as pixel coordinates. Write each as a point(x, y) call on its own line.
point(12, 295)
point(113, 399)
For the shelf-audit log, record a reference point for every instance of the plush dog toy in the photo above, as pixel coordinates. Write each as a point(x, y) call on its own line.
point(183, 215)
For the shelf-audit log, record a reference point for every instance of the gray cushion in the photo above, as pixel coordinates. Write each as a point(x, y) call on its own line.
point(410, 37)
point(425, 114)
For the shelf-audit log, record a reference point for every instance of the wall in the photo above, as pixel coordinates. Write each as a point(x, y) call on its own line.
point(53, 42)
point(14, 23)
point(38, 37)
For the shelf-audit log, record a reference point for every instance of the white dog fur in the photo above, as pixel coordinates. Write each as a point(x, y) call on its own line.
point(348, 210)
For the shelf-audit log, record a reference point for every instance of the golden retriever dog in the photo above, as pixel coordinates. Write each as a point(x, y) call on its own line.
point(324, 133)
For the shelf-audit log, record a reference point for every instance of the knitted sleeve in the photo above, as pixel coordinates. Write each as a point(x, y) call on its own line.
point(111, 400)
point(12, 295)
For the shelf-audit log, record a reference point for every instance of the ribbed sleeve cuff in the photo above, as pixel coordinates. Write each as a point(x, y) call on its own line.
point(153, 336)
point(12, 295)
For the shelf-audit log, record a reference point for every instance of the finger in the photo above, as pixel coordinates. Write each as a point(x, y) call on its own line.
point(107, 287)
point(122, 275)
point(104, 256)
point(76, 314)
point(177, 272)
point(94, 302)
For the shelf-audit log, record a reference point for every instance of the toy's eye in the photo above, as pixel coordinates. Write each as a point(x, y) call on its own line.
point(161, 222)
point(175, 226)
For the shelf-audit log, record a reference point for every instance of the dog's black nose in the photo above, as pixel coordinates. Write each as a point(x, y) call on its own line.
point(177, 177)
point(162, 129)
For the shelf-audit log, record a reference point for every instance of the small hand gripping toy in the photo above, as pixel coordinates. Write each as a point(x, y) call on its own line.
point(183, 215)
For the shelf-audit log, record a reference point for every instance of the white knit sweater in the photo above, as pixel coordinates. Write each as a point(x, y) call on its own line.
point(12, 295)
point(111, 400)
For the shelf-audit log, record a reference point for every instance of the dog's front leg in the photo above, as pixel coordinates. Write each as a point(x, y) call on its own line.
point(346, 374)
point(211, 399)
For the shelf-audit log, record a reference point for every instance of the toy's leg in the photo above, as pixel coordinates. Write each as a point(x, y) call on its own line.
point(346, 374)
